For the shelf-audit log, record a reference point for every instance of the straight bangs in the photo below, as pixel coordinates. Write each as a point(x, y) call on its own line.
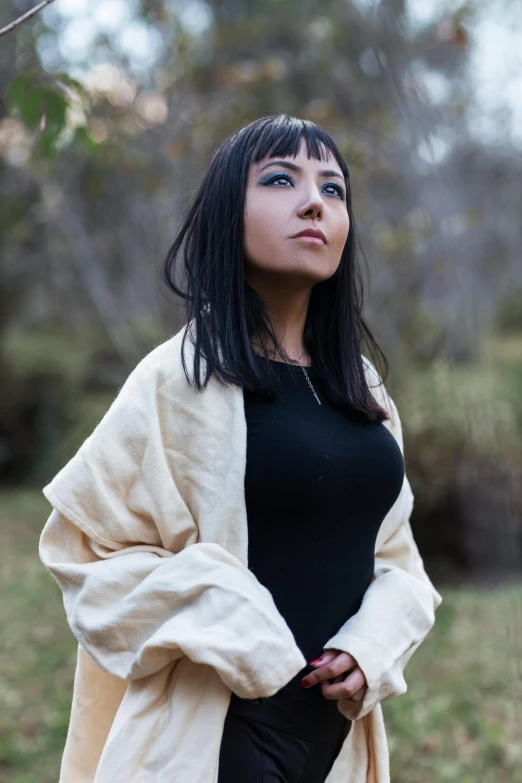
point(282, 138)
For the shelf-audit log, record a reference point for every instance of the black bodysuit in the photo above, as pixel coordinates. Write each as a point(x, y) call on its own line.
point(318, 486)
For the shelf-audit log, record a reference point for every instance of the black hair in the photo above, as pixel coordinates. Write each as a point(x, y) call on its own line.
point(227, 312)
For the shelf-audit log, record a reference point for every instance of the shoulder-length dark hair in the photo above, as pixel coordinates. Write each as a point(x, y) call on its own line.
point(227, 312)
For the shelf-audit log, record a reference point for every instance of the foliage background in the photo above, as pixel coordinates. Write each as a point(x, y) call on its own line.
point(109, 113)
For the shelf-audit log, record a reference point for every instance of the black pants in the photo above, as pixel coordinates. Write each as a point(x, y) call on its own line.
point(291, 737)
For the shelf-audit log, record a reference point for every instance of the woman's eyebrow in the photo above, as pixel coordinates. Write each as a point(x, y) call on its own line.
point(294, 167)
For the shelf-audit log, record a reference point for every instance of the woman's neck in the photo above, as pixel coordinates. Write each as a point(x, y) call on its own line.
point(291, 357)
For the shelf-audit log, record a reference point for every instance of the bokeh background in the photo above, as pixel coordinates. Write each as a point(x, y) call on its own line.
point(109, 112)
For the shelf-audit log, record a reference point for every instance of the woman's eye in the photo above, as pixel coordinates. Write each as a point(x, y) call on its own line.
point(278, 177)
point(338, 189)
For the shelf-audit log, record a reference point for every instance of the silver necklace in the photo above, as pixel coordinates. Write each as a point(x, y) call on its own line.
point(306, 375)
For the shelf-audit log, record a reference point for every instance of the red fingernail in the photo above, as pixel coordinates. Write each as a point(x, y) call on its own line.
point(305, 684)
point(315, 660)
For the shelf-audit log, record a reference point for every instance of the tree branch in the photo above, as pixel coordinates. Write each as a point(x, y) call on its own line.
point(24, 17)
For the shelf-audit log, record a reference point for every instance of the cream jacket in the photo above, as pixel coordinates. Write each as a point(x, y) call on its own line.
point(147, 540)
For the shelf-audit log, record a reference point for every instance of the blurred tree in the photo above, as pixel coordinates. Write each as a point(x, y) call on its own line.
point(150, 94)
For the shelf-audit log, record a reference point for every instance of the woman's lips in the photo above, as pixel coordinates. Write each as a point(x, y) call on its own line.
point(312, 240)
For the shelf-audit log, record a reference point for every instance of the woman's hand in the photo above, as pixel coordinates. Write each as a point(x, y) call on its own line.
point(332, 666)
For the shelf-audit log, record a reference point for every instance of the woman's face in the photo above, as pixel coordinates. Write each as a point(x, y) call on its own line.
point(284, 197)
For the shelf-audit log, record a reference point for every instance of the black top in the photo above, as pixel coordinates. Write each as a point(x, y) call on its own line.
point(318, 486)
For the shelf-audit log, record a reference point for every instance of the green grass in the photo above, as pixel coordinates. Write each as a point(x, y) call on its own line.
point(460, 720)
point(37, 649)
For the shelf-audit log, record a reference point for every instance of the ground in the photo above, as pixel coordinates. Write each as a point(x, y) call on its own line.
point(461, 719)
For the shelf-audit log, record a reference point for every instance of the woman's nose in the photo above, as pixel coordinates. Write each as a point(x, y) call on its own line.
point(313, 206)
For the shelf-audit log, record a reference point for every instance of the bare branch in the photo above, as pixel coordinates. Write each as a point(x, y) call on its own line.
point(24, 17)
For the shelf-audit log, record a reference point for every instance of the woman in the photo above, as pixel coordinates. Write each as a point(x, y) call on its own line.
point(279, 660)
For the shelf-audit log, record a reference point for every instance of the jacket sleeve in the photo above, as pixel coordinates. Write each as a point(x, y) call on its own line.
point(398, 608)
point(140, 589)
point(136, 610)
